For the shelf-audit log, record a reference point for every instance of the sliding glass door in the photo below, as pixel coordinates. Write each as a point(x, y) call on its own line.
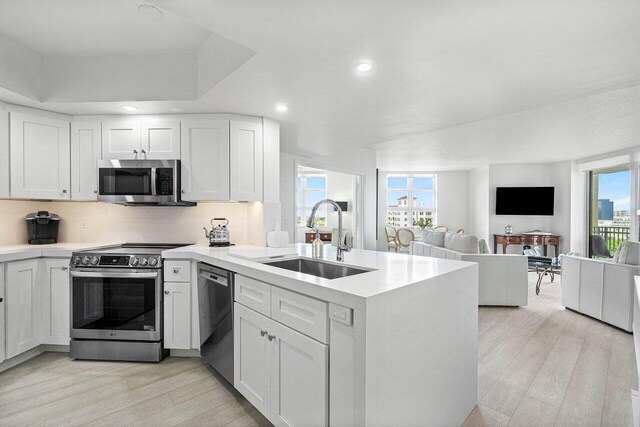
point(609, 210)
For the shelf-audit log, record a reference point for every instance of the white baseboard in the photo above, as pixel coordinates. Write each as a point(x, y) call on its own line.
point(30, 354)
point(184, 353)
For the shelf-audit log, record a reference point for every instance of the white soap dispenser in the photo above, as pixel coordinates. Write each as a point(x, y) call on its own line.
point(317, 247)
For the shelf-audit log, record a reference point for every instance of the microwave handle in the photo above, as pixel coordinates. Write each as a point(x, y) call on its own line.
point(154, 174)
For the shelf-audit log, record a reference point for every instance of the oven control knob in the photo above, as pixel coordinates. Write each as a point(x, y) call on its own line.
point(85, 260)
point(76, 260)
point(153, 262)
point(94, 260)
point(133, 261)
point(143, 261)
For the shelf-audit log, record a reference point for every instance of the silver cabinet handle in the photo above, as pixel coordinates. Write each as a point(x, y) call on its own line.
point(271, 337)
point(184, 191)
point(166, 292)
point(176, 271)
point(64, 191)
point(144, 152)
point(1, 299)
point(135, 151)
point(95, 191)
point(263, 333)
point(64, 268)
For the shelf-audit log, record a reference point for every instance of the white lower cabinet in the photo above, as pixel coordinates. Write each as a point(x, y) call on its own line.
point(23, 307)
point(283, 373)
point(177, 315)
point(3, 304)
point(55, 301)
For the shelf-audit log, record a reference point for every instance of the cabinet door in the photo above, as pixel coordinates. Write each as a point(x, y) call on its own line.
point(23, 302)
point(177, 315)
point(3, 304)
point(252, 357)
point(246, 161)
point(204, 154)
point(55, 301)
point(86, 149)
point(4, 152)
point(161, 139)
point(40, 165)
point(299, 379)
point(121, 139)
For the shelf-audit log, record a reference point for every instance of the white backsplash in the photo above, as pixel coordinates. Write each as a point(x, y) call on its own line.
point(114, 223)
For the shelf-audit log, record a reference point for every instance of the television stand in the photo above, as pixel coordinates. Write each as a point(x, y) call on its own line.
point(542, 239)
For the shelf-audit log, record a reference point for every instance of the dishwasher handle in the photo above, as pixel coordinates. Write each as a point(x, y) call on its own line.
point(211, 277)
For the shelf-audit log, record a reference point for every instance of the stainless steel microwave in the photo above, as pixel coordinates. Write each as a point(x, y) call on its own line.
point(140, 182)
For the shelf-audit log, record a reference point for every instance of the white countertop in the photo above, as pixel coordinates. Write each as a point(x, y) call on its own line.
point(55, 250)
point(390, 271)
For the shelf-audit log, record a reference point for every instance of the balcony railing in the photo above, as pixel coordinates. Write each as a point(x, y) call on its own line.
point(612, 235)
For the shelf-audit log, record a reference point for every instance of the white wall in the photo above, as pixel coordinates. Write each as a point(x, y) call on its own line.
point(452, 200)
point(115, 223)
point(479, 203)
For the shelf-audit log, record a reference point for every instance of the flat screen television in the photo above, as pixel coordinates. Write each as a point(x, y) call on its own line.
point(524, 200)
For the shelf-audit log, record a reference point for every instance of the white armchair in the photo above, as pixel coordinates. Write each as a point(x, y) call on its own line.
point(600, 289)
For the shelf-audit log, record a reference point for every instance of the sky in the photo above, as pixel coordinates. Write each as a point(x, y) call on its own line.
point(397, 187)
point(617, 187)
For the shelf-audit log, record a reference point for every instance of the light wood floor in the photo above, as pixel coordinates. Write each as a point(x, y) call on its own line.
point(539, 365)
point(543, 365)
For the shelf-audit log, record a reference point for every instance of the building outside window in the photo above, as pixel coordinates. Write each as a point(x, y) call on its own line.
point(411, 200)
point(310, 189)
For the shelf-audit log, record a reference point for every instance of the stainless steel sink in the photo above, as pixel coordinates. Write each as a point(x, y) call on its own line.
point(322, 269)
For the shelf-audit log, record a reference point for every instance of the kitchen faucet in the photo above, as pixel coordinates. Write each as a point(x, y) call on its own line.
point(342, 247)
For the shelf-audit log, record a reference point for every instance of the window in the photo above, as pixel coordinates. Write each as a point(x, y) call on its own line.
point(310, 189)
point(609, 210)
point(411, 200)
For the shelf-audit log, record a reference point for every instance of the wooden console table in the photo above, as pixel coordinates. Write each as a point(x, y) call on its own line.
point(324, 236)
point(543, 240)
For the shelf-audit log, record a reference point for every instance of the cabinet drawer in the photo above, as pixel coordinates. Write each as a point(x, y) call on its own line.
point(299, 312)
point(253, 294)
point(177, 271)
point(552, 240)
point(533, 240)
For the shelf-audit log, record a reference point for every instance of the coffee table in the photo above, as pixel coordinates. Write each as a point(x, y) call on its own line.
point(544, 268)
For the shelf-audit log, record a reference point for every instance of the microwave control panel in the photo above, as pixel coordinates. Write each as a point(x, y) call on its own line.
point(164, 181)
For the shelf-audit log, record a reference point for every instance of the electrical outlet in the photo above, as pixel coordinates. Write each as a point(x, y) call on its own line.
point(84, 223)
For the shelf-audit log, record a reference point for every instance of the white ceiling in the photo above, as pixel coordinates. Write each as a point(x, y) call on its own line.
point(456, 84)
point(95, 28)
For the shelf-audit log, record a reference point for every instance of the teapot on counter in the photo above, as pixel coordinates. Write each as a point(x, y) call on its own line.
point(219, 234)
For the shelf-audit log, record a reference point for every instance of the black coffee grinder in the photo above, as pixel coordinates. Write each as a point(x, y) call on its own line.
point(42, 228)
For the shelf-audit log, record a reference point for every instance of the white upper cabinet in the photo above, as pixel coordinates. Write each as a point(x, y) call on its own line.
point(246, 161)
point(85, 153)
point(145, 139)
point(40, 157)
point(160, 139)
point(121, 139)
point(4, 152)
point(271, 150)
point(205, 159)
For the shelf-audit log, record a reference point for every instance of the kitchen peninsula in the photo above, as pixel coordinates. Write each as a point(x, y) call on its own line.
point(394, 345)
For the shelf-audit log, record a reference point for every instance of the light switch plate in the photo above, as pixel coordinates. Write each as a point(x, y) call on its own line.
point(341, 314)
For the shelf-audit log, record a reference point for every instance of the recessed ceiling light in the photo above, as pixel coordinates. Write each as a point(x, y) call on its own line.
point(281, 107)
point(129, 108)
point(364, 67)
point(149, 12)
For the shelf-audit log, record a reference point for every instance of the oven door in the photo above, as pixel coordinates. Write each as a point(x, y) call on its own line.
point(114, 304)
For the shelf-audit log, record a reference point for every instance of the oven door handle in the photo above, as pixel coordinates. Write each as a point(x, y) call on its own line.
point(114, 275)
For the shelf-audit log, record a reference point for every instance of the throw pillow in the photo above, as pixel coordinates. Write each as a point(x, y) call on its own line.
point(465, 243)
point(629, 253)
point(435, 238)
point(483, 247)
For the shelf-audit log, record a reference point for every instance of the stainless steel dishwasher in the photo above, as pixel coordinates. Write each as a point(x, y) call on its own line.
point(215, 301)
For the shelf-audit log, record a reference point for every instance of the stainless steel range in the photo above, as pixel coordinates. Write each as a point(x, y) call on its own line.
point(116, 303)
